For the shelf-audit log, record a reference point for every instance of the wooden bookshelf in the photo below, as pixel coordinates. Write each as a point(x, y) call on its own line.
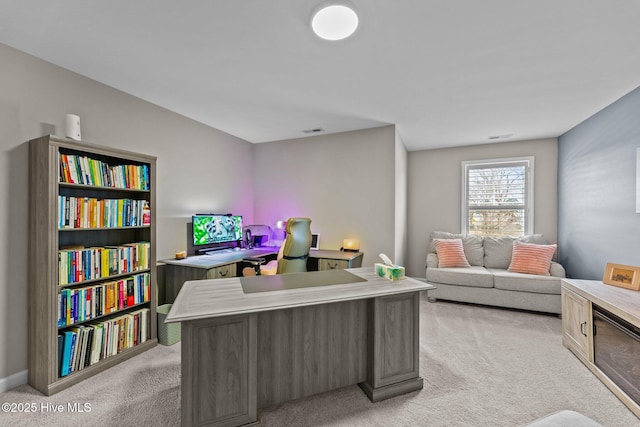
point(47, 238)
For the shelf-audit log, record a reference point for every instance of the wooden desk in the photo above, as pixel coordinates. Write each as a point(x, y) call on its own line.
point(228, 263)
point(241, 352)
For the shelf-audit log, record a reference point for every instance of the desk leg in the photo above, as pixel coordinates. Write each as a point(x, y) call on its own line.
point(394, 344)
point(219, 371)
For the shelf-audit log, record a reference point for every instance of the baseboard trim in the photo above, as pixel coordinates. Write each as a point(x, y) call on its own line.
point(14, 380)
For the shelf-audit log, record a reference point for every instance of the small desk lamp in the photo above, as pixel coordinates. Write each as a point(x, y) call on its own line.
point(350, 245)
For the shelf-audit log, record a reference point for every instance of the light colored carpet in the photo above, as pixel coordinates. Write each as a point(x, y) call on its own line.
point(481, 366)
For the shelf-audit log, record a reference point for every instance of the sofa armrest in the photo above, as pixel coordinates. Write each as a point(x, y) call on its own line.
point(432, 260)
point(557, 270)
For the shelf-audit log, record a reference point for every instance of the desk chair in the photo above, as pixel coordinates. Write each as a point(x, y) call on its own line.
point(293, 254)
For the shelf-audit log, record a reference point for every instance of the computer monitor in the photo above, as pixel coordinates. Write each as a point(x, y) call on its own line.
point(315, 241)
point(210, 229)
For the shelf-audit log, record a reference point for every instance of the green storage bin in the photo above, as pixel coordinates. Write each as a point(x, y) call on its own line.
point(168, 333)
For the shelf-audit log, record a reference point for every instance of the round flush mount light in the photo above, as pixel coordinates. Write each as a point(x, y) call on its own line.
point(334, 22)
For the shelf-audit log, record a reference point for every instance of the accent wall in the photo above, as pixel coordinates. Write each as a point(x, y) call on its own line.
point(597, 217)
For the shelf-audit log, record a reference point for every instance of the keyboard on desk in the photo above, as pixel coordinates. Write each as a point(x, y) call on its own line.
point(230, 254)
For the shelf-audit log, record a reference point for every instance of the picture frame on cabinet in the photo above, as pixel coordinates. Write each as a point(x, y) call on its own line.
point(623, 276)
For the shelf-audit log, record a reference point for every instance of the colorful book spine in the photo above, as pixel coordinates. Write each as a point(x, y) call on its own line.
point(86, 212)
point(79, 265)
point(68, 338)
point(76, 169)
point(86, 345)
point(83, 304)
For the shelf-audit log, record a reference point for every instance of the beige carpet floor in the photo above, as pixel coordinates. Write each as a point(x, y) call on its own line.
point(481, 366)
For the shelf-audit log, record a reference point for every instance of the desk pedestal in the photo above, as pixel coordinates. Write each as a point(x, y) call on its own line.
point(394, 345)
point(233, 365)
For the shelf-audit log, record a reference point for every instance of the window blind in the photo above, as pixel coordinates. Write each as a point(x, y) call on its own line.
point(497, 198)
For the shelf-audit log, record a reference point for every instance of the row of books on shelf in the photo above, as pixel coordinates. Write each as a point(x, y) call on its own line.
point(83, 304)
point(86, 345)
point(90, 212)
point(76, 169)
point(81, 264)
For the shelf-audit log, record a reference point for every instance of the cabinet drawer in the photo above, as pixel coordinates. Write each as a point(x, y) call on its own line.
point(332, 264)
point(222, 272)
point(577, 323)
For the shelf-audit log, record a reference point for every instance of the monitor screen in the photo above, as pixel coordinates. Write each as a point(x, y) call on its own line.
point(208, 229)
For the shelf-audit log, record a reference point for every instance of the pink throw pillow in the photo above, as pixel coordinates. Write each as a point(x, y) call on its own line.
point(450, 253)
point(530, 258)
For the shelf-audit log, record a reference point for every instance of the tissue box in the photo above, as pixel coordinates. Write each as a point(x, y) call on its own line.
point(395, 273)
point(392, 273)
point(381, 269)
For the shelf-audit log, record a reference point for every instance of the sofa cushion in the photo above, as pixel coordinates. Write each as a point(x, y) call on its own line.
point(503, 279)
point(472, 245)
point(450, 253)
point(530, 258)
point(538, 239)
point(497, 252)
point(471, 276)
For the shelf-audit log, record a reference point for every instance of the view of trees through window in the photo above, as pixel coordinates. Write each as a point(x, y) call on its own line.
point(497, 199)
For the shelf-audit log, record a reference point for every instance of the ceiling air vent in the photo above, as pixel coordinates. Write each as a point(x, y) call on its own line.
point(508, 135)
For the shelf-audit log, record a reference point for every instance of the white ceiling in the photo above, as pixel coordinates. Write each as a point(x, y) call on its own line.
point(445, 72)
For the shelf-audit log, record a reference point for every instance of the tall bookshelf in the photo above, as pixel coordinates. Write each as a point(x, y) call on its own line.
point(66, 258)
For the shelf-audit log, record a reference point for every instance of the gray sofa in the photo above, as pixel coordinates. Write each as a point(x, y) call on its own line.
point(487, 281)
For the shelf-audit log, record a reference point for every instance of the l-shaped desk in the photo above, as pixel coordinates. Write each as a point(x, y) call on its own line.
point(260, 341)
point(225, 263)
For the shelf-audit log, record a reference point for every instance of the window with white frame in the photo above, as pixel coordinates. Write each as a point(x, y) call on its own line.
point(497, 197)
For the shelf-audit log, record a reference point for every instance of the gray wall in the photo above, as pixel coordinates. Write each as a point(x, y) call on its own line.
point(596, 190)
point(402, 157)
point(344, 182)
point(198, 169)
point(434, 191)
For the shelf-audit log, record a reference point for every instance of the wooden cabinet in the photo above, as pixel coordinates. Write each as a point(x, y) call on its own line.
point(578, 299)
point(577, 324)
point(333, 260)
point(222, 272)
point(176, 275)
point(332, 264)
point(92, 259)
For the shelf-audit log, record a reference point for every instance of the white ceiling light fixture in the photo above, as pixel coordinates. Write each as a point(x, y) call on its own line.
point(334, 22)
